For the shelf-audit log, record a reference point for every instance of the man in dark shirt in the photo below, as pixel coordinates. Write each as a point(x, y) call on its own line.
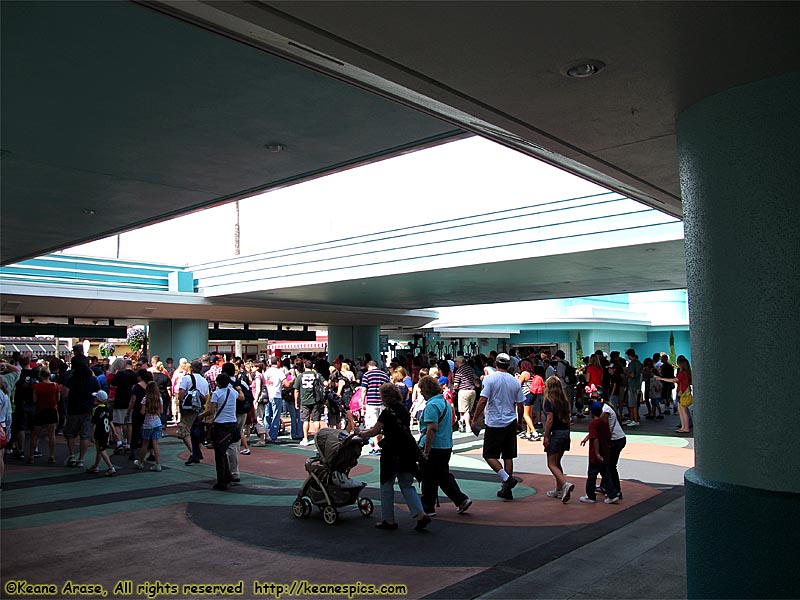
point(79, 387)
point(123, 380)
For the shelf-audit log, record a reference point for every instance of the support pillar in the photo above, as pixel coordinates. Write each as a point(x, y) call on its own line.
point(178, 338)
point(354, 341)
point(740, 175)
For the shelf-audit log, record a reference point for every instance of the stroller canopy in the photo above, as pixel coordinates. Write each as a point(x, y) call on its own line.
point(338, 450)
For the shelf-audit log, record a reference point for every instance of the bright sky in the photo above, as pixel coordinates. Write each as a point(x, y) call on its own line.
point(461, 178)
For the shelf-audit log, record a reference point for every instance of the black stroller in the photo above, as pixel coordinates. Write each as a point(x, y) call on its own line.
point(328, 485)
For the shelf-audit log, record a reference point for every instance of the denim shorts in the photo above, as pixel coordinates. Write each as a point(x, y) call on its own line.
point(151, 433)
point(559, 441)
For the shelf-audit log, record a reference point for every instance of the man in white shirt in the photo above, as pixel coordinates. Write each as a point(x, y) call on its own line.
point(499, 397)
point(192, 381)
point(273, 381)
point(224, 430)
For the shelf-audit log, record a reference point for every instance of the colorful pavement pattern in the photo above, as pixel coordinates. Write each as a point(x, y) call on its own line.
point(61, 524)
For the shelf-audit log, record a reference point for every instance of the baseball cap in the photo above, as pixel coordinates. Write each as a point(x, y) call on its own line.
point(443, 380)
point(596, 408)
point(504, 359)
point(101, 395)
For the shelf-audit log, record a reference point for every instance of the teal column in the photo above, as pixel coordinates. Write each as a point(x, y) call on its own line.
point(178, 338)
point(740, 178)
point(354, 341)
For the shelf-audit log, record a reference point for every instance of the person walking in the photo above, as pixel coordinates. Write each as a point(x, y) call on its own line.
point(556, 436)
point(499, 398)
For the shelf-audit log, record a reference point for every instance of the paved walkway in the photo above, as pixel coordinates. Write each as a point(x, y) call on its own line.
point(60, 524)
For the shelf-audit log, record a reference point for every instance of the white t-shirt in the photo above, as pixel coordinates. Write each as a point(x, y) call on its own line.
point(228, 412)
point(617, 433)
point(273, 380)
point(200, 381)
point(502, 391)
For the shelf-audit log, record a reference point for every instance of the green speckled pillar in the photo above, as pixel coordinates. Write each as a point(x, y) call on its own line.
point(354, 341)
point(740, 177)
point(178, 338)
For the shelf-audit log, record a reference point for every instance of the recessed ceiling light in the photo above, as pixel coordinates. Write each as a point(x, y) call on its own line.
point(581, 69)
point(275, 147)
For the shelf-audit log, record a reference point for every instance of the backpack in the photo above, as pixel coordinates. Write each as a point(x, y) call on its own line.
point(191, 401)
point(243, 406)
point(570, 376)
point(320, 391)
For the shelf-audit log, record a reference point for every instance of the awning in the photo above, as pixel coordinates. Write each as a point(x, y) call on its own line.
point(36, 346)
point(319, 346)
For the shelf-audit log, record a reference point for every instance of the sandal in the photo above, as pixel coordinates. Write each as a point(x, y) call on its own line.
point(51, 460)
point(111, 472)
point(92, 470)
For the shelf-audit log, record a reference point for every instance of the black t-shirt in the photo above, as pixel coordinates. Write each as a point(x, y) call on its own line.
point(138, 395)
point(124, 381)
point(615, 380)
point(557, 423)
point(164, 383)
point(101, 417)
point(23, 391)
point(81, 386)
point(398, 447)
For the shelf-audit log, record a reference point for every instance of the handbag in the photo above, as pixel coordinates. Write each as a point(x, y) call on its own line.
point(685, 398)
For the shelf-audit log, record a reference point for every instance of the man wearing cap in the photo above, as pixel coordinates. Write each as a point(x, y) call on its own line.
point(464, 391)
point(500, 395)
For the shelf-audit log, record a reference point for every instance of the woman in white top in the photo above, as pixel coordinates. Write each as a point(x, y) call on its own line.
point(224, 431)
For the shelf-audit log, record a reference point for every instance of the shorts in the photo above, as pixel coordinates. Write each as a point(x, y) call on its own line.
point(559, 441)
point(501, 442)
point(185, 425)
point(48, 416)
point(78, 426)
point(632, 397)
point(311, 412)
point(528, 401)
point(151, 433)
point(371, 414)
point(241, 421)
point(22, 420)
point(466, 398)
point(121, 416)
point(101, 446)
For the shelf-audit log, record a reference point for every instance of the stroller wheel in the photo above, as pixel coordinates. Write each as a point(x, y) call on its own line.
point(329, 515)
point(301, 508)
point(366, 506)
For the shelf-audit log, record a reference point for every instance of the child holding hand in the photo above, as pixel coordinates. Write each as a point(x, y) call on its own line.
point(599, 437)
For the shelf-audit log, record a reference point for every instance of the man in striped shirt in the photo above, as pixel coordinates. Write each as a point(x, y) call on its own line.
point(372, 380)
point(464, 390)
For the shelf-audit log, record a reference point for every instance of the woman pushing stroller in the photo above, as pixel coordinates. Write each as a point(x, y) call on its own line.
point(399, 459)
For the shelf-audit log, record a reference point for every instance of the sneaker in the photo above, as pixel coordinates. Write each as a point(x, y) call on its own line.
point(554, 494)
point(304, 442)
point(156, 467)
point(462, 427)
point(244, 451)
point(613, 500)
point(535, 437)
point(626, 422)
point(505, 493)
point(386, 526)
point(37, 454)
point(511, 482)
point(79, 464)
point(566, 492)
point(111, 472)
point(138, 465)
point(92, 470)
point(587, 500)
point(600, 490)
point(633, 424)
point(464, 506)
point(70, 462)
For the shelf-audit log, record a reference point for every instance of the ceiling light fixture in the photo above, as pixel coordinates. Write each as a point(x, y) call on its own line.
point(580, 69)
point(275, 148)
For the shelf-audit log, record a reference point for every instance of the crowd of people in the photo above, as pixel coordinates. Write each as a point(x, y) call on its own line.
point(125, 407)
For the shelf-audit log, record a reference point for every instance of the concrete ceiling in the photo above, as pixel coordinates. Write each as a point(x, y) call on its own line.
point(636, 268)
point(115, 108)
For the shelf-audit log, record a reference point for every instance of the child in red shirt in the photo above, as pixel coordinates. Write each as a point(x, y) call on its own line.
point(599, 456)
